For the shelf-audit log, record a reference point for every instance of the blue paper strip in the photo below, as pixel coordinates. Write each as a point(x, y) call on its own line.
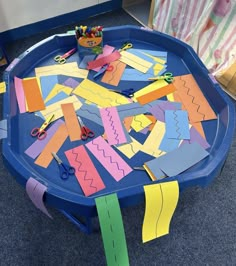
point(90, 112)
point(168, 145)
point(58, 97)
point(153, 53)
point(47, 84)
point(87, 58)
point(147, 106)
point(139, 53)
point(130, 109)
point(3, 129)
point(159, 109)
point(177, 126)
point(179, 160)
point(131, 74)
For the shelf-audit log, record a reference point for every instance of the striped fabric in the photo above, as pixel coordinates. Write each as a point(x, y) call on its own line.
point(209, 26)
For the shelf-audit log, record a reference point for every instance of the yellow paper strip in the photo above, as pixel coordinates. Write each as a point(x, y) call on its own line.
point(153, 141)
point(130, 149)
point(157, 68)
point(140, 122)
point(57, 89)
point(170, 97)
point(98, 94)
point(156, 59)
point(55, 108)
point(68, 69)
point(161, 201)
point(149, 88)
point(2, 87)
point(135, 61)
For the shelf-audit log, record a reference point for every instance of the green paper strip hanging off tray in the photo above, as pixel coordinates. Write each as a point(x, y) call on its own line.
point(112, 229)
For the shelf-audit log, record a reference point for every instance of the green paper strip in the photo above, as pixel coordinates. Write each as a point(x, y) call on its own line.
point(112, 229)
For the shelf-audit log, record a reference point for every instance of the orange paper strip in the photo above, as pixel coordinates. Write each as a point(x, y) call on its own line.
point(53, 145)
point(193, 99)
point(71, 120)
point(156, 94)
point(113, 77)
point(127, 122)
point(33, 95)
point(153, 119)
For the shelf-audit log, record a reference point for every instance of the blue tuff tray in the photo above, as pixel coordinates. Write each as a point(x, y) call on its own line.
point(67, 195)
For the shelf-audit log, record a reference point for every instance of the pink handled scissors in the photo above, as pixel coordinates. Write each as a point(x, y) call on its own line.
point(61, 59)
point(85, 132)
point(40, 131)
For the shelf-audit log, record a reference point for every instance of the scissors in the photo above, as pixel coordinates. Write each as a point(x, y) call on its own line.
point(85, 132)
point(61, 59)
point(129, 93)
point(126, 46)
point(40, 132)
point(103, 69)
point(168, 76)
point(64, 169)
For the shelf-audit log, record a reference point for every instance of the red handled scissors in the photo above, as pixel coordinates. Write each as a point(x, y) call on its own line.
point(40, 132)
point(103, 69)
point(61, 59)
point(85, 132)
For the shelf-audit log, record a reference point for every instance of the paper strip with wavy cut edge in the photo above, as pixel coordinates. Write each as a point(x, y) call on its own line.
point(113, 126)
point(85, 171)
point(160, 203)
point(109, 158)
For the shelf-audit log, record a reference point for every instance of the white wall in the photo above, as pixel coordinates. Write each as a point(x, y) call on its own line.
point(16, 13)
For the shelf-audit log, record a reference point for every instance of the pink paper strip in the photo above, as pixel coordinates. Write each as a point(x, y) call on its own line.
point(104, 153)
point(107, 49)
point(36, 148)
point(20, 95)
point(112, 125)
point(85, 171)
point(35, 191)
point(104, 60)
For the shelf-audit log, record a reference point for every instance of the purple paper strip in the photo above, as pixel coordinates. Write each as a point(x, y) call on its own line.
point(35, 191)
point(145, 130)
point(72, 83)
point(196, 137)
point(36, 148)
point(159, 110)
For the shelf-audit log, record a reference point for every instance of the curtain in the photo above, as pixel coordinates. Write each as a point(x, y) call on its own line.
point(209, 26)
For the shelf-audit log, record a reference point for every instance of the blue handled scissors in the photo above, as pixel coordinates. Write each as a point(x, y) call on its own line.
point(168, 77)
point(64, 169)
point(129, 93)
point(103, 69)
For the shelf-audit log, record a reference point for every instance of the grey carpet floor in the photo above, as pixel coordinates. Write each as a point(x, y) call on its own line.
point(202, 232)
